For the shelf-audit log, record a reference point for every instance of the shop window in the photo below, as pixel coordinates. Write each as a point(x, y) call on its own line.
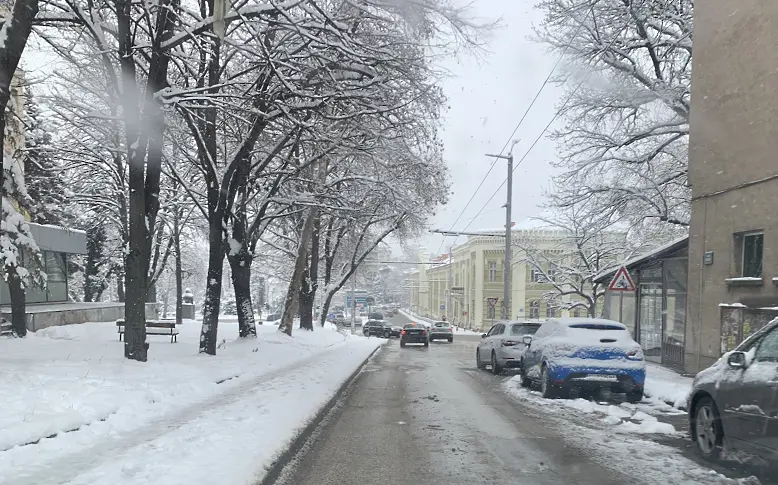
point(534, 309)
point(750, 254)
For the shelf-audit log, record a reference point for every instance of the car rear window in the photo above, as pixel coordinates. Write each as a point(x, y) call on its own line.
point(524, 329)
point(441, 324)
point(596, 326)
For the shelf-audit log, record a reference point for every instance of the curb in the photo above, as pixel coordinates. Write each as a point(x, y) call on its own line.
point(274, 470)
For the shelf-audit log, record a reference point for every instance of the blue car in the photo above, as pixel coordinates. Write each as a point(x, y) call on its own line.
point(584, 353)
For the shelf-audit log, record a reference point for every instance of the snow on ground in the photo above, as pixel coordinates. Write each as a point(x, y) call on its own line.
point(639, 418)
point(180, 418)
point(665, 385)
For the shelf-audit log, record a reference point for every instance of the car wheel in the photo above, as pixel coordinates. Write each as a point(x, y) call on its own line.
point(480, 365)
point(387, 335)
point(708, 432)
point(496, 369)
point(547, 387)
point(635, 395)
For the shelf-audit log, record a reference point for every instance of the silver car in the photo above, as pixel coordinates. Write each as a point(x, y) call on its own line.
point(502, 347)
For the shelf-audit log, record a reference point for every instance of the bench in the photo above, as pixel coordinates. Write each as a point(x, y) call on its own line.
point(154, 327)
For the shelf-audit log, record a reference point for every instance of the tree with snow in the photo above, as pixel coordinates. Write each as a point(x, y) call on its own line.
point(625, 140)
point(589, 245)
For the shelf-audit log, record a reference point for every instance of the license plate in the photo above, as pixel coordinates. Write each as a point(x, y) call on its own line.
point(601, 378)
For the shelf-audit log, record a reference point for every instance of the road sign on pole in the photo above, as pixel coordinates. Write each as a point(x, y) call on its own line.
point(492, 302)
point(622, 281)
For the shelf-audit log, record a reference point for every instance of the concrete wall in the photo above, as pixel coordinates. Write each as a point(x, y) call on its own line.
point(40, 319)
point(732, 165)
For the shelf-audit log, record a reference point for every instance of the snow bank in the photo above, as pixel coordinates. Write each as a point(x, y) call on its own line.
point(622, 418)
point(665, 385)
point(74, 410)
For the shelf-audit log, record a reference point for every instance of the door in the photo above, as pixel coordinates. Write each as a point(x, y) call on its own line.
point(749, 396)
point(484, 346)
point(496, 337)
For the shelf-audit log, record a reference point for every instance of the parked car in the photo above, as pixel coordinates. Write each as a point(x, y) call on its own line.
point(441, 331)
point(272, 318)
point(585, 353)
point(414, 333)
point(503, 346)
point(377, 328)
point(734, 403)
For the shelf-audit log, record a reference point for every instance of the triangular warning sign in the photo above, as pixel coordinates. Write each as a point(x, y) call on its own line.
point(622, 281)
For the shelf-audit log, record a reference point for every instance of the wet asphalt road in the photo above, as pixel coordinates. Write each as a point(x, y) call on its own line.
point(419, 416)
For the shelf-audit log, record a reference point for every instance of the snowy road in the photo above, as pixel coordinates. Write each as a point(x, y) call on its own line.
point(425, 416)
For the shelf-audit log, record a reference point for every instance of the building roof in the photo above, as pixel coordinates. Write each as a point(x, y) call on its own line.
point(653, 255)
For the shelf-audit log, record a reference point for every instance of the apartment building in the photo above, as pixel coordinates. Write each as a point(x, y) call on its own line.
point(733, 245)
point(473, 273)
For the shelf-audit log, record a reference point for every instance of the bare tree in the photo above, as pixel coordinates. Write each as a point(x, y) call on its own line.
point(625, 142)
point(589, 245)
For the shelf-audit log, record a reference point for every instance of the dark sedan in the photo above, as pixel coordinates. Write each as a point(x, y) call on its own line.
point(413, 333)
point(734, 403)
point(377, 328)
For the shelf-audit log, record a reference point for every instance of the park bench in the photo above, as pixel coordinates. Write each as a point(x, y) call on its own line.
point(154, 327)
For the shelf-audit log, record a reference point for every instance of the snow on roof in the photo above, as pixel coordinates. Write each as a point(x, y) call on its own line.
point(568, 321)
point(670, 247)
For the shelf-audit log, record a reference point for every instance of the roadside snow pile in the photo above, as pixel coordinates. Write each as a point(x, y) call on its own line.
point(664, 385)
point(623, 418)
point(76, 411)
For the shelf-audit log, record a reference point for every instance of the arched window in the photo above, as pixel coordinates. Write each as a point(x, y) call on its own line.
point(550, 311)
point(534, 309)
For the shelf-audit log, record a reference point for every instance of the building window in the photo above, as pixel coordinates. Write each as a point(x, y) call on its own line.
point(751, 262)
point(577, 312)
point(538, 276)
point(550, 311)
point(551, 273)
point(491, 312)
point(492, 271)
point(534, 309)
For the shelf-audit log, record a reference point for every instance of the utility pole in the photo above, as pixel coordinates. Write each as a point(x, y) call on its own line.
point(449, 284)
point(506, 299)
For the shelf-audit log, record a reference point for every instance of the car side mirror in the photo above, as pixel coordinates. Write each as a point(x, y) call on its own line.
point(483, 335)
point(527, 340)
point(737, 360)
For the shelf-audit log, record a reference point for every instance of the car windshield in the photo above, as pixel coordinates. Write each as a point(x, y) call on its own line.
point(524, 329)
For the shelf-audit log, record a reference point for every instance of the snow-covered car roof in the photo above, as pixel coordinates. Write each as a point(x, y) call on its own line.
point(571, 321)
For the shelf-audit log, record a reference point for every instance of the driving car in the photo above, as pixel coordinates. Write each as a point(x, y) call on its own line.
point(377, 328)
point(588, 354)
point(502, 346)
point(733, 404)
point(396, 330)
point(375, 316)
point(414, 333)
point(441, 331)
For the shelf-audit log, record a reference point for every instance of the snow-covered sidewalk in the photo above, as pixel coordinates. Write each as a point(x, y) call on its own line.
point(665, 385)
point(75, 411)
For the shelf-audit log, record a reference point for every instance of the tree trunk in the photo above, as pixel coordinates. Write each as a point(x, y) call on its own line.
point(120, 287)
point(241, 283)
point(179, 271)
point(325, 308)
point(291, 303)
point(135, 346)
point(213, 287)
point(18, 310)
point(310, 280)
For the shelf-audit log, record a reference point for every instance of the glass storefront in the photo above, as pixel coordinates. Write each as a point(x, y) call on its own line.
point(55, 266)
point(650, 317)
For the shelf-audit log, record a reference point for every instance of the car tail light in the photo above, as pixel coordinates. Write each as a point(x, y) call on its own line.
point(635, 354)
point(510, 343)
point(402, 333)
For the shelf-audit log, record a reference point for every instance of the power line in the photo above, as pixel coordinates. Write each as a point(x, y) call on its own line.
point(526, 112)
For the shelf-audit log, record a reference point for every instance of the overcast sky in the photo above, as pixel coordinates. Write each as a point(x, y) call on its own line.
point(487, 98)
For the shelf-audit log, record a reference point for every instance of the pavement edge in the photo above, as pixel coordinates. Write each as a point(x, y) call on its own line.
point(284, 458)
